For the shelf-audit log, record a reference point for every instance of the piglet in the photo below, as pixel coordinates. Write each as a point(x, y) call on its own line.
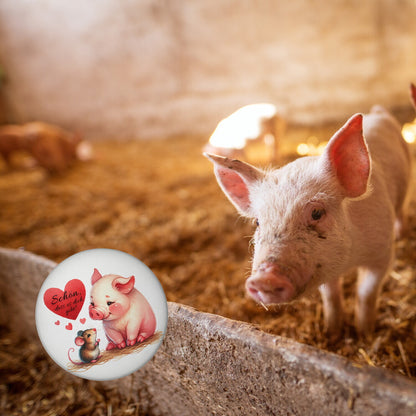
point(253, 122)
point(320, 217)
point(126, 314)
point(52, 147)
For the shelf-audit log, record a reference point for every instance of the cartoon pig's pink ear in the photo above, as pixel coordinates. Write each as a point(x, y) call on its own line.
point(235, 178)
point(95, 276)
point(124, 285)
point(348, 157)
point(79, 341)
point(413, 94)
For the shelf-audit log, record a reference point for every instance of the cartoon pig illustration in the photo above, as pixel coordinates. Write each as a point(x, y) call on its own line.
point(126, 314)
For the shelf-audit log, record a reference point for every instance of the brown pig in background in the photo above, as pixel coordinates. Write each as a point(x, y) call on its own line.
point(52, 147)
point(320, 217)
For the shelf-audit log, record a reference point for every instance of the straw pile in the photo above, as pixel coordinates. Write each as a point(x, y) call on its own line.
point(159, 201)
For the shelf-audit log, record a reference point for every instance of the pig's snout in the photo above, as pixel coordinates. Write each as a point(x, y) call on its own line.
point(268, 285)
point(97, 314)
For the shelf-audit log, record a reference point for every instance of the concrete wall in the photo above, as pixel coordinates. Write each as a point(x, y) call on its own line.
point(209, 365)
point(154, 68)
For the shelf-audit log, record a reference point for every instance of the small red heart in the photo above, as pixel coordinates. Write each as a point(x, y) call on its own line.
point(68, 302)
point(57, 322)
point(69, 327)
point(82, 320)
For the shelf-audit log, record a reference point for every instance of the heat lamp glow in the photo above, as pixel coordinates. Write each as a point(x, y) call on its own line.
point(409, 131)
point(312, 147)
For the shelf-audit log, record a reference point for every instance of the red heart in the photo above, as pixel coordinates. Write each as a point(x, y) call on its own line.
point(57, 322)
point(67, 303)
point(68, 327)
point(82, 320)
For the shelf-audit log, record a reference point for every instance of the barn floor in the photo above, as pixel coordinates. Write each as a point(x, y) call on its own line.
point(159, 201)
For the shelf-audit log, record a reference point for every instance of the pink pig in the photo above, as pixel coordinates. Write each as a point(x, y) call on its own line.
point(320, 217)
point(126, 314)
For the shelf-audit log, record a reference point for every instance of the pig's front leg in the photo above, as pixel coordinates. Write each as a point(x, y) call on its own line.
point(400, 224)
point(333, 304)
point(143, 336)
point(368, 289)
point(140, 331)
point(133, 328)
point(115, 339)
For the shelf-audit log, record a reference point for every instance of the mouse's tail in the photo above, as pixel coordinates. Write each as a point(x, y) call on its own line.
point(69, 357)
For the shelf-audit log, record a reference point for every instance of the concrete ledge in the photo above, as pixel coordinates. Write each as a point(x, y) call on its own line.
point(212, 365)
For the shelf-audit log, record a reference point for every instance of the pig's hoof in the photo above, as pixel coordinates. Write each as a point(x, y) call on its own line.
point(110, 346)
point(142, 337)
point(131, 342)
point(334, 337)
point(121, 345)
point(334, 333)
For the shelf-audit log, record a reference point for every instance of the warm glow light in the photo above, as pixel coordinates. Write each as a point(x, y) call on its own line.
point(302, 149)
point(312, 148)
point(242, 125)
point(321, 147)
point(409, 132)
point(409, 136)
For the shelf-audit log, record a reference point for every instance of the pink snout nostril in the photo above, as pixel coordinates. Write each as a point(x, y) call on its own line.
point(269, 288)
point(96, 315)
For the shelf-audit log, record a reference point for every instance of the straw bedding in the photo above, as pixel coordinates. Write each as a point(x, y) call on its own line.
point(159, 201)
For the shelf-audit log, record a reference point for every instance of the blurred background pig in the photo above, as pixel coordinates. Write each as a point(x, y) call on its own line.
point(126, 314)
point(253, 122)
point(321, 216)
point(52, 147)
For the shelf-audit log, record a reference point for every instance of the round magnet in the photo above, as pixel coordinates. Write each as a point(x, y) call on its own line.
point(101, 314)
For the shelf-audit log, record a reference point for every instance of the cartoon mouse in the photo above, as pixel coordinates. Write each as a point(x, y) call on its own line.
point(89, 351)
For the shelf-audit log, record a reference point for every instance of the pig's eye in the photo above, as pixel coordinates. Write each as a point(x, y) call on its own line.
point(317, 213)
point(92, 304)
point(109, 303)
point(257, 222)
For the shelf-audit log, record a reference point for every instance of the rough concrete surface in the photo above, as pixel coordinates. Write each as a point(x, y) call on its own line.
point(211, 365)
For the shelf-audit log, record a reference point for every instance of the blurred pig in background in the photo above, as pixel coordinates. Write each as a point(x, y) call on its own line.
point(254, 122)
point(52, 147)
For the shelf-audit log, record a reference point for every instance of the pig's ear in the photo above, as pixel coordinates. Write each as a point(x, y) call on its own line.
point(413, 94)
point(95, 276)
point(235, 178)
point(348, 157)
point(124, 285)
